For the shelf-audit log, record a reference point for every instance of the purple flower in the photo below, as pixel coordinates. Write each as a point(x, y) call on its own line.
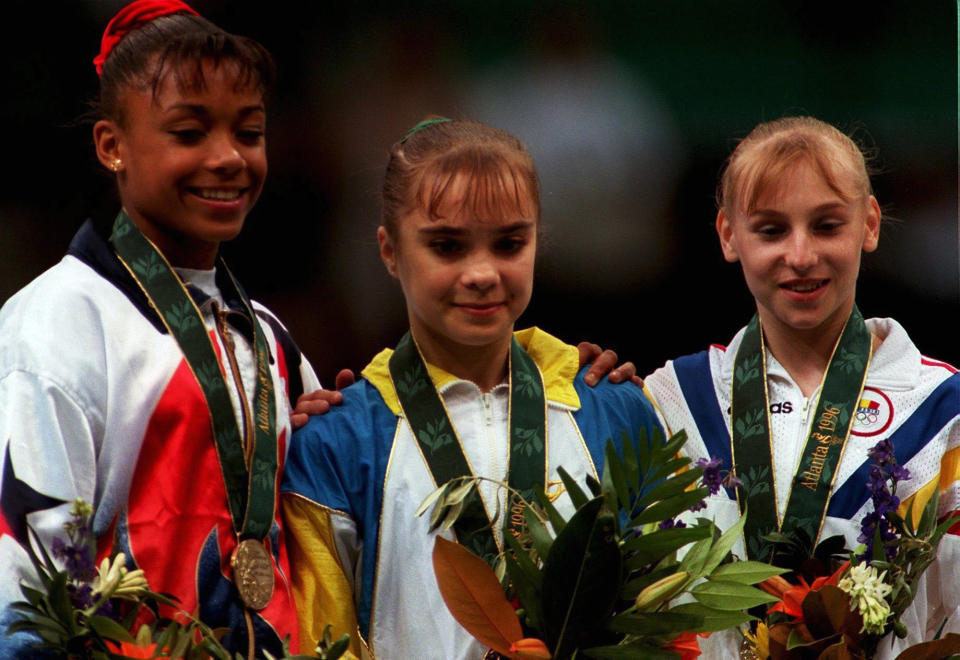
point(670, 523)
point(885, 469)
point(711, 474)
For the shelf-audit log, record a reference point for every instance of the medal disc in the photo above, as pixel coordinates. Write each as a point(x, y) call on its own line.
point(253, 573)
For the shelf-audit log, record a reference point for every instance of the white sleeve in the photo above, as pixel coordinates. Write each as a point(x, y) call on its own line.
point(48, 460)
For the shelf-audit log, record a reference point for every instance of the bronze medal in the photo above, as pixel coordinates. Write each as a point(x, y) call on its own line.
point(253, 573)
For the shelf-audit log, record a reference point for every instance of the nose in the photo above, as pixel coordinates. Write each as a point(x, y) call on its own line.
point(225, 156)
point(480, 274)
point(801, 251)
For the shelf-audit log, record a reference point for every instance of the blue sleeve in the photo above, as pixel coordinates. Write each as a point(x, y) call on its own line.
point(608, 410)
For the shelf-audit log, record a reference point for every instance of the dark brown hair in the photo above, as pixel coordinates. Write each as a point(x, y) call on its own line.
point(422, 167)
point(772, 147)
point(178, 44)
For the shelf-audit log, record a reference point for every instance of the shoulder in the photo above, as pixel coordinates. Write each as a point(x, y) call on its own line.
point(625, 402)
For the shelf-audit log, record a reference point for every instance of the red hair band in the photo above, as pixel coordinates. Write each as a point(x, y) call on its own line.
point(131, 17)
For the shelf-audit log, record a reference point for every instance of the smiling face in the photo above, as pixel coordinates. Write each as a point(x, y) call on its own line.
point(800, 248)
point(190, 161)
point(466, 277)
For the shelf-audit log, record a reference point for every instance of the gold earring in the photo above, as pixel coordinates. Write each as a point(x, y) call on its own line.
point(115, 165)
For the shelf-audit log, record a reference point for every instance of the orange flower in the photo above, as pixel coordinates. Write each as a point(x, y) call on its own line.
point(529, 648)
point(133, 650)
point(792, 598)
point(686, 645)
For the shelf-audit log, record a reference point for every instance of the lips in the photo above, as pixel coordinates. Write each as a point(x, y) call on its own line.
point(217, 194)
point(480, 309)
point(804, 286)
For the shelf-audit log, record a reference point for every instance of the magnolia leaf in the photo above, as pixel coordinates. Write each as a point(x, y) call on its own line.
point(651, 547)
point(746, 572)
point(796, 640)
point(527, 591)
point(539, 534)
point(714, 620)
point(108, 628)
point(730, 595)
point(581, 577)
point(637, 650)
point(825, 611)
point(654, 623)
point(524, 561)
point(723, 545)
point(934, 650)
point(556, 520)
point(670, 508)
point(474, 596)
point(577, 496)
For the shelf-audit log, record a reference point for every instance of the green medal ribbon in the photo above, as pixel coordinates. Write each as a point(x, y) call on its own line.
point(250, 489)
point(443, 452)
point(751, 443)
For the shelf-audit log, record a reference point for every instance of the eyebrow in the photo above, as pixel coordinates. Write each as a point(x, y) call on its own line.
point(449, 230)
point(822, 208)
point(198, 109)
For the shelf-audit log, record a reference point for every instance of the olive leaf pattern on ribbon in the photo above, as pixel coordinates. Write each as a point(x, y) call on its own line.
point(435, 436)
point(120, 229)
point(755, 481)
point(749, 370)
point(149, 267)
point(843, 417)
point(849, 361)
point(210, 377)
point(411, 382)
point(751, 423)
point(182, 317)
point(528, 385)
point(758, 546)
point(262, 475)
point(529, 441)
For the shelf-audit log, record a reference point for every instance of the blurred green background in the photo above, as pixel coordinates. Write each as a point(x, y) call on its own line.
point(629, 109)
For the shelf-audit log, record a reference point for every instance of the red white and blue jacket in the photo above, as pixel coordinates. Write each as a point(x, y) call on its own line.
point(910, 399)
point(97, 402)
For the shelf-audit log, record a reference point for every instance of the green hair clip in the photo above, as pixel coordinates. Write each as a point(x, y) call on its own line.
point(422, 125)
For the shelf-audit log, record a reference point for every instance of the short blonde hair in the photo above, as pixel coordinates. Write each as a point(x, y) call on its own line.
point(773, 147)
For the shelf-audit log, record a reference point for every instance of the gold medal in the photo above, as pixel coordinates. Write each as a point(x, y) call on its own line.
point(253, 573)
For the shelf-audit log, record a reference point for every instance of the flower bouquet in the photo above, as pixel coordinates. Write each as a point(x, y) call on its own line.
point(85, 612)
point(847, 614)
point(606, 582)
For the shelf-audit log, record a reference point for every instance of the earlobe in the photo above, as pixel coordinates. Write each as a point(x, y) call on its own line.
point(106, 140)
point(728, 243)
point(872, 235)
point(388, 252)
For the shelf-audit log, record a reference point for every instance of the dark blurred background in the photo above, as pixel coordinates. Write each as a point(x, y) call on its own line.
point(628, 107)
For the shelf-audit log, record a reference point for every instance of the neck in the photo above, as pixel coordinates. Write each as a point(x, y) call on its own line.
point(179, 250)
point(803, 352)
point(486, 365)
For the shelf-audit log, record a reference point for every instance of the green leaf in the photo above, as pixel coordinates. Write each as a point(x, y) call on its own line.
point(108, 628)
point(671, 466)
point(526, 587)
point(556, 520)
point(724, 595)
point(654, 624)
point(723, 545)
point(669, 488)
point(613, 473)
point(693, 561)
point(651, 547)
point(714, 620)
point(577, 496)
point(670, 508)
point(631, 466)
point(746, 572)
point(539, 534)
point(581, 577)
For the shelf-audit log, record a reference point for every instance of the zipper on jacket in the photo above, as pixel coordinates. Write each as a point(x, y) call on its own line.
point(229, 346)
